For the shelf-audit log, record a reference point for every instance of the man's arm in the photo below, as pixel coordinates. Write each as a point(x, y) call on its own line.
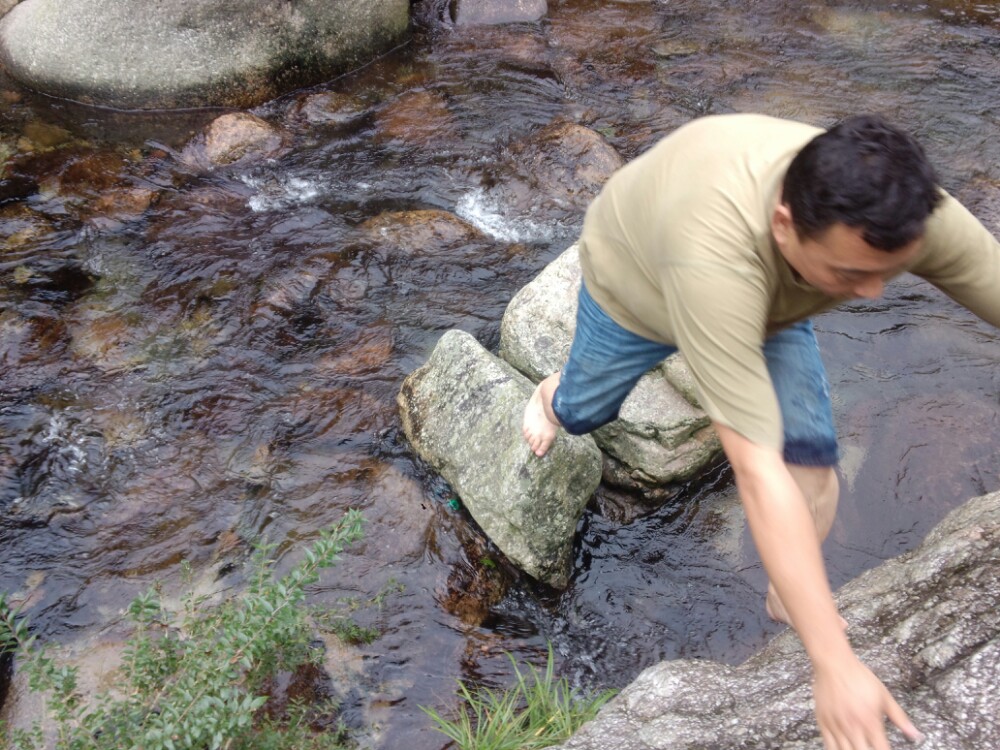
point(851, 702)
point(962, 258)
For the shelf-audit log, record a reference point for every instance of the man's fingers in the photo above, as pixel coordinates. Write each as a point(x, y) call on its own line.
point(877, 741)
point(829, 743)
point(863, 738)
point(898, 717)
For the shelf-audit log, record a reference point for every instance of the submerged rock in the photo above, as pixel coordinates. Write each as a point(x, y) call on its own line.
point(191, 53)
point(107, 338)
point(97, 662)
point(328, 108)
point(568, 160)
point(20, 227)
point(462, 412)
point(420, 118)
point(660, 436)
point(365, 352)
point(476, 582)
point(927, 622)
point(121, 205)
point(669, 49)
point(43, 136)
point(522, 46)
point(558, 169)
point(240, 136)
point(87, 173)
point(471, 12)
point(419, 232)
point(98, 185)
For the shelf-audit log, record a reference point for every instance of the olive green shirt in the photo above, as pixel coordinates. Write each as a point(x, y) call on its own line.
point(678, 248)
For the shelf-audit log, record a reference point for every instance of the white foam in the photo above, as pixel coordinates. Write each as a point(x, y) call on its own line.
point(486, 215)
point(67, 440)
point(276, 192)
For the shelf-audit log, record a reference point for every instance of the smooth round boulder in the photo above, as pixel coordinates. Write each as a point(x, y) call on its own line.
point(168, 54)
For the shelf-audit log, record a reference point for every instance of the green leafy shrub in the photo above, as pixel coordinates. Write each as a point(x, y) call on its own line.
point(538, 711)
point(194, 681)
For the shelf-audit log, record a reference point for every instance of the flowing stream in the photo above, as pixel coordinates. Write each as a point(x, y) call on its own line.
point(210, 357)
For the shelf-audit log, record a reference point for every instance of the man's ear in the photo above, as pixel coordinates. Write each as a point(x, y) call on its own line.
point(782, 226)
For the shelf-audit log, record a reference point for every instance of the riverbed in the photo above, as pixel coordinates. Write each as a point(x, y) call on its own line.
point(194, 359)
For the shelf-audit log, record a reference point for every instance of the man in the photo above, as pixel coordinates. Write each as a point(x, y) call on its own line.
point(722, 241)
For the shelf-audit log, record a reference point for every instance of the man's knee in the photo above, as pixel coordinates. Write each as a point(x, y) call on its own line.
point(821, 489)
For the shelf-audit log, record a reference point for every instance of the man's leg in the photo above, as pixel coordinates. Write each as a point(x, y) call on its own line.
point(605, 362)
point(800, 382)
point(821, 489)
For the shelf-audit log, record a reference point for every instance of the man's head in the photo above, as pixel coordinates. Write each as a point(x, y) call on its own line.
point(866, 174)
point(853, 207)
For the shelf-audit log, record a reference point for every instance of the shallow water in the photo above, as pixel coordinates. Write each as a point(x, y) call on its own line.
point(182, 378)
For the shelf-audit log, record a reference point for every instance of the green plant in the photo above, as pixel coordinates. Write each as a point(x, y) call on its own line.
point(538, 711)
point(193, 681)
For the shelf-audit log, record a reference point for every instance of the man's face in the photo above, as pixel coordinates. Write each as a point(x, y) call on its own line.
point(839, 262)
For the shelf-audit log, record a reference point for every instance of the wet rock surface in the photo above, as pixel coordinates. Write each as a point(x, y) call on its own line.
point(927, 622)
point(237, 137)
point(97, 665)
point(670, 49)
point(472, 12)
point(418, 118)
point(462, 413)
point(561, 166)
point(659, 437)
point(478, 582)
point(427, 231)
point(328, 108)
point(179, 53)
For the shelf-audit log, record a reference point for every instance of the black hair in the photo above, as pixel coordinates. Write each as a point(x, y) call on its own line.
point(864, 173)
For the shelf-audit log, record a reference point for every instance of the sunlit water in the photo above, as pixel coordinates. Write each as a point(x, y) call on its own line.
point(224, 367)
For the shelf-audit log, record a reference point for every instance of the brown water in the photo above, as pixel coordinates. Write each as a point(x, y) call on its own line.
point(181, 379)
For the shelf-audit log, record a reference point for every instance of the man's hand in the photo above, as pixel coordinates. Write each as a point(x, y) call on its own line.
point(851, 702)
point(851, 706)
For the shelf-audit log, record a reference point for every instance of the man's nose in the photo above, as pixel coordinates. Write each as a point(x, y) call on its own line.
point(870, 288)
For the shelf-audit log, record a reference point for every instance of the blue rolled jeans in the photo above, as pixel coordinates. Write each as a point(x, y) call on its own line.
point(606, 361)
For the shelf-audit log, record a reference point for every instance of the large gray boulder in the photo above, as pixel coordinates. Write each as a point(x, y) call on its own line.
point(927, 622)
point(462, 413)
point(162, 54)
point(660, 436)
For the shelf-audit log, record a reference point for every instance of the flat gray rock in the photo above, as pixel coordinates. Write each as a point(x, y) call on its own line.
point(927, 623)
point(462, 413)
point(164, 54)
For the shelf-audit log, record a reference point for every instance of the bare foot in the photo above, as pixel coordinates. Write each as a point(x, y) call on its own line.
point(777, 612)
point(538, 429)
